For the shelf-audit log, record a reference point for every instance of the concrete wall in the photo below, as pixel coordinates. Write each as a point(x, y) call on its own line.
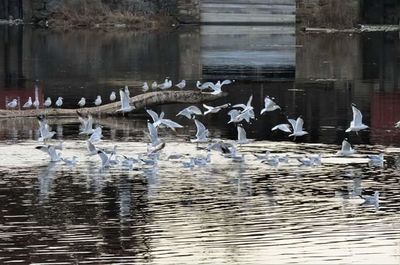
point(328, 13)
point(188, 11)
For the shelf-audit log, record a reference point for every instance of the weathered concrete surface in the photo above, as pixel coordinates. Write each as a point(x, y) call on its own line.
point(328, 13)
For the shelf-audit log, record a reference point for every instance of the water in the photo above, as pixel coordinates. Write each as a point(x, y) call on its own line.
point(226, 212)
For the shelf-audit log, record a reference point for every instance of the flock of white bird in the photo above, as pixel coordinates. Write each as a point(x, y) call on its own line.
point(238, 114)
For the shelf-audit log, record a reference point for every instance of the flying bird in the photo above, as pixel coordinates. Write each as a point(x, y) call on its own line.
point(215, 109)
point(356, 124)
point(346, 149)
point(269, 105)
point(190, 112)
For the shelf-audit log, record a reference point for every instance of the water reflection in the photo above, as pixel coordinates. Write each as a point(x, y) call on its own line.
point(224, 213)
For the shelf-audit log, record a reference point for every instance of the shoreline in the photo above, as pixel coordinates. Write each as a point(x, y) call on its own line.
point(361, 29)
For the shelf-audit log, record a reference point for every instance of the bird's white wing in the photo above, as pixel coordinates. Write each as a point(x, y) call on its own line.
point(153, 114)
point(357, 116)
point(104, 158)
point(171, 124)
point(153, 134)
point(346, 146)
point(185, 112)
point(283, 127)
point(226, 82)
point(195, 110)
point(241, 134)
point(243, 106)
point(201, 129)
point(249, 101)
point(208, 107)
point(299, 125)
point(292, 123)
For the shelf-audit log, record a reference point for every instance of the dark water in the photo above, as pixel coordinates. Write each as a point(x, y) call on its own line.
point(226, 212)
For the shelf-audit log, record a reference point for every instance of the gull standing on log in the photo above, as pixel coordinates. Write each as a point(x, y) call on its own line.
point(59, 102)
point(47, 102)
point(113, 97)
point(13, 104)
point(181, 85)
point(28, 104)
point(82, 102)
point(98, 101)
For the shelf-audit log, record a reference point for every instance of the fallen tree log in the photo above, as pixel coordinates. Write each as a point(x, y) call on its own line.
point(140, 102)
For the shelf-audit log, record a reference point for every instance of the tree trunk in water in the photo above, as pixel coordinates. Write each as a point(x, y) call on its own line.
point(140, 102)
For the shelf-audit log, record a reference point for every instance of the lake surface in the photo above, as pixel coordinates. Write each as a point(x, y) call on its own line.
point(225, 212)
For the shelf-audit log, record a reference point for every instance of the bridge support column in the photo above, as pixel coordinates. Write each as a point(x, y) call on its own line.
point(188, 11)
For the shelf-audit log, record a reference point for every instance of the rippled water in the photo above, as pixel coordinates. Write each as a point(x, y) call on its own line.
point(225, 212)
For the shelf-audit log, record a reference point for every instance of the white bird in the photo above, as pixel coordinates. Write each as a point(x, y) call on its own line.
point(106, 159)
point(167, 84)
point(181, 85)
point(159, 120)
point(91, 148)
point(47, 102)
point(397, 124)
point(12, 104)
point(297, 126)
point(234, 113)
point(368, 199)
point(224, 148)
point(201, 134)
point(36, 103)
point(145, 87)
point(82, 102)
point(283, 127)
point(215, 109)
point(44, 129)
point(306, 161)
point(59, 102)
point(242, 138)
point(272, 161)
point(86, 126)
point(202, 86)
point(69, 162)
point(190, 112)
point(376, 159)
point(154, 85)
point(96, 135)
point(269, 105)
point(316, 159)
point(153, 134)
point(262, 156)
point(151, 149)
point(113, 97)
point(51, 151)
point(217, 86)
point(346, 149)
point(125, 103)
point(356, 124)
point(98, 101)
point(247, 112)
point(28, 104)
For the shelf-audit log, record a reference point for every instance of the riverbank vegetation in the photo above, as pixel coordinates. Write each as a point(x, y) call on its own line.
point(109, 13)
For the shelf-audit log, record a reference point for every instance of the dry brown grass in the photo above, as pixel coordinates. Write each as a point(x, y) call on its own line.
point(95, 13)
